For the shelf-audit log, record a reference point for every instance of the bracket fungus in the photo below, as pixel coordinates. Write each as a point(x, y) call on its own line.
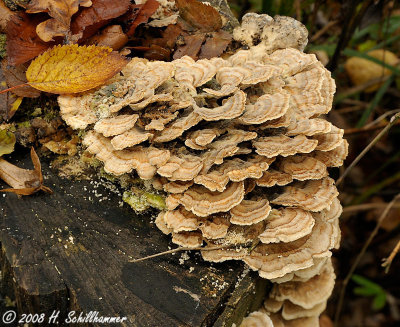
point(241, 151)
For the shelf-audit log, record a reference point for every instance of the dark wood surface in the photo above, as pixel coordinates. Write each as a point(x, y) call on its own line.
point(71, 251)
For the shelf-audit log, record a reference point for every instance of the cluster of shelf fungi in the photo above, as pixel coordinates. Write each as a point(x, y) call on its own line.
point(239, 147)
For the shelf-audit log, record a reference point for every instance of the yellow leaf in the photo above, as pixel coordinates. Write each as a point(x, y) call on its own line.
point(73, 69)
point(15, 106)
point(7, 142)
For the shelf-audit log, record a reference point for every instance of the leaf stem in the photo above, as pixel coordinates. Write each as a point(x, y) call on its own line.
point(14, 87)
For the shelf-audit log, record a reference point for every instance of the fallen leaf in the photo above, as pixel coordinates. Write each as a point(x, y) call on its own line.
point(15, 75)
point(143, 15)
point(155, 52)
point(362, 70)
point(7, 142)
point(191, 47)
point(61, 12)
point(215, 45)
point(23, 181)
point(170, 35)
point(73, 69)
point(112, 37)
point(5, 15)
point(9, 102)
point(89, 20)
point(23, 44)
point(201, 16)
point(50, 29)
point(16, 102)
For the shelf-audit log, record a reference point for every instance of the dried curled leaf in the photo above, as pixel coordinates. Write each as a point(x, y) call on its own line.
point(61, 12)
point(73, 69)
point(23, 181)
point(7, 142)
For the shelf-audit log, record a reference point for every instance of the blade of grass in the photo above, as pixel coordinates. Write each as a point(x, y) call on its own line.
point(375, 101)
point(384, 43)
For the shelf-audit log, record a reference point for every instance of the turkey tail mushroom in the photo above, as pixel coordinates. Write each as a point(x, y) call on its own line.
point(240, 150)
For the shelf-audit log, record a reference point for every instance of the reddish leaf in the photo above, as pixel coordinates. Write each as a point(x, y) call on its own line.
point(23, 44)
point(192, 46)
point(148, 9)
point(201, 16)
point(215, 45)
point(15, 75)
point(89, 20)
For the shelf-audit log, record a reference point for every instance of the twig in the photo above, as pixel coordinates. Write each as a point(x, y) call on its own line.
point(346, 110)
point(207, 248)
point(368, 147)
point(352, 20)
point(388, 261)
point(356, 130)
point(360, 255)
point(297, 6)
point(382, 117)
point(323, 30)
point(367, 206)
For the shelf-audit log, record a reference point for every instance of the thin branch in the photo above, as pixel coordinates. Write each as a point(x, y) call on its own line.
point(388, 261)
point(364, 129)
point(207, 248)
point(368, 147)
point(382, 117)
point(360, 255)
point(367, 206)
point(351, 21)
point(323, 30)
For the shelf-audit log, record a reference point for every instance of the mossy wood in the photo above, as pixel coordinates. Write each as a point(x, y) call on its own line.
point(71, 251)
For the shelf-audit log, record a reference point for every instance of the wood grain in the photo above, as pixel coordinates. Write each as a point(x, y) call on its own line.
point(71, 251)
